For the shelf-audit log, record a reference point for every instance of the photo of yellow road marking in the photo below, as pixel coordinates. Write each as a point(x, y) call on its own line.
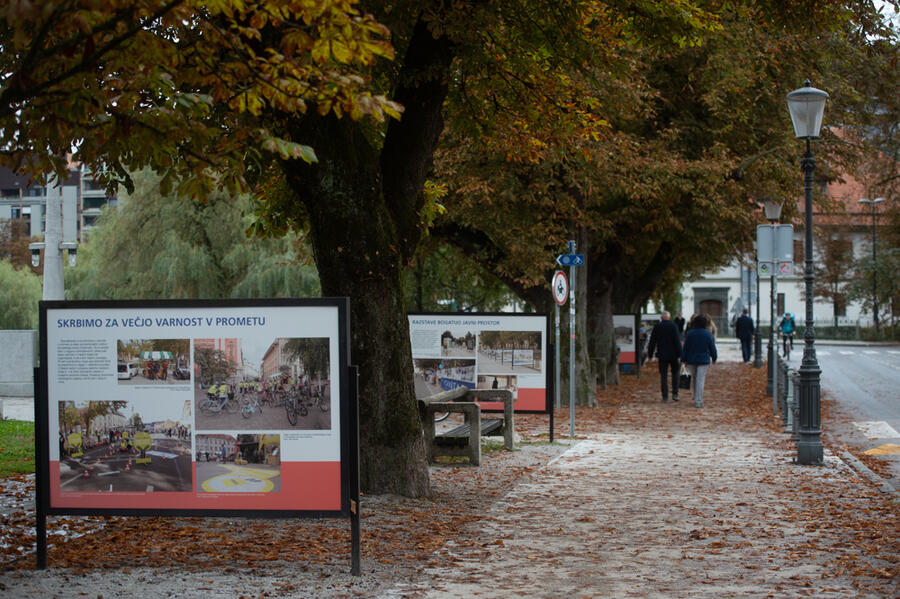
point(241, 479)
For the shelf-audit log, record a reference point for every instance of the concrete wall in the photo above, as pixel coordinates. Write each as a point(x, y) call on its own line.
point(17, 361)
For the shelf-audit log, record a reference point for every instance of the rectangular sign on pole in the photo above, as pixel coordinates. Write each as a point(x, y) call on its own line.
point(197, 408)
point(483, 351)
point(775, 243)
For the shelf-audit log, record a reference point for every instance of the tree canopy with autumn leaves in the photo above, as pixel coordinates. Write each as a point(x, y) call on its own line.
point(668, 184)
point(332, 112)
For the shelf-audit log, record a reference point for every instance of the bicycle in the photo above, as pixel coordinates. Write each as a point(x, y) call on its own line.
point(319, 401)
point(788, 343)
point(249, 407)
point(292, 406)
point(215, 405)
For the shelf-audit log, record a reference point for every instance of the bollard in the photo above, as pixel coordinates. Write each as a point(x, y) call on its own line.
point(789, 398)
point(795, 408)
point(785, 394)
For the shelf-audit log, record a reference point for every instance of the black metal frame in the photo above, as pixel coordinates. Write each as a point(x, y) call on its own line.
point(348, 422)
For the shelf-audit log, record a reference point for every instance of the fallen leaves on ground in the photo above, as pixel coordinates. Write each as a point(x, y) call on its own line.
point(847, 523)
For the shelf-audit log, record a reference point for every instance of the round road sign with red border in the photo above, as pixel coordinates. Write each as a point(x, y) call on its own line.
point(560, 287)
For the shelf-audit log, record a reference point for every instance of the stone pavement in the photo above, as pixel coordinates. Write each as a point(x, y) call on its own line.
point(674, 501)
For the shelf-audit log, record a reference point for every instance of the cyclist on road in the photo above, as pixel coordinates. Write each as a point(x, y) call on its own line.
point(787, 328)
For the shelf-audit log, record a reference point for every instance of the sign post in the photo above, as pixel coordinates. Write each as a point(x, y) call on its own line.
point(571, 260)
point(774, 255)
point(560, 295)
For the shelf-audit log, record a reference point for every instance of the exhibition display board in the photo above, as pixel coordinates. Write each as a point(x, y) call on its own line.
point(232, 407)
point(626, 331)
point(484, 351)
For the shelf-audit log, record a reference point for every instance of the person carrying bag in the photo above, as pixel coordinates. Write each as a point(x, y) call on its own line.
point(684, 380)
point(699, 350)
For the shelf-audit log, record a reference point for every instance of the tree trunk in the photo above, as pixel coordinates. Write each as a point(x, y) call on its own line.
point(364, 208)
point(602, 333)
point(354, 241)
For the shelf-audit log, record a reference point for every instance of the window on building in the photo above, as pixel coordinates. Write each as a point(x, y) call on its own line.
point(779, 302)
point(22, 212)
point(9, 192)
point(798, 252)
point(90, 185)
point(94, 203)
point(33, 192)
point(89, 220)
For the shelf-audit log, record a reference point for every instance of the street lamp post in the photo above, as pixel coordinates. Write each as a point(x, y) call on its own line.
point(772, 209)
point(53, 246)
point(874, 261)
point(807, 106)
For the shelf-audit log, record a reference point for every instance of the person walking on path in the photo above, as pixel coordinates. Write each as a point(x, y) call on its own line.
point(743, 327)
point(666, 342)
point(679, 322)
point(699, 349)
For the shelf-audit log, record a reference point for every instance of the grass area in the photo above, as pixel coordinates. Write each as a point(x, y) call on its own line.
point(16, 447)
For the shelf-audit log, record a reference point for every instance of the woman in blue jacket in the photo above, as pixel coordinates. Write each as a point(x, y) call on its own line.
point(699, 349)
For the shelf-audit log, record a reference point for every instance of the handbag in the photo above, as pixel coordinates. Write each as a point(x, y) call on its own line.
point(684, 380)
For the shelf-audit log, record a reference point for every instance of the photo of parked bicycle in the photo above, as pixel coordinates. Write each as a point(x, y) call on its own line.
point(242, 385)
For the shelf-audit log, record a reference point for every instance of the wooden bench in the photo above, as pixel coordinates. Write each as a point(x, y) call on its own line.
point(465, 440)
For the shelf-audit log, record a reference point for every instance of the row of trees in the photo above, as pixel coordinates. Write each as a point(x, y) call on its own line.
point(644, 130)
point(843, 278)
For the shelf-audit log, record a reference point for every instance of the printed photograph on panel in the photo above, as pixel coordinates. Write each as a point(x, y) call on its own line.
point(458, 343)
point(117, 446)
point(153, 361)
point(242, 384)
point(501, 352)
point(433, 375)
point(625, 337)
point(238, 463)
point(499, 381)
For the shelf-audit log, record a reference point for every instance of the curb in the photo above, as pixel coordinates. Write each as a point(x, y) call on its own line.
point(883, 485)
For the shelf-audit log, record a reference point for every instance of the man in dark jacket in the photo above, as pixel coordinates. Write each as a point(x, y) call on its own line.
point(744, 330)
point(666, 342)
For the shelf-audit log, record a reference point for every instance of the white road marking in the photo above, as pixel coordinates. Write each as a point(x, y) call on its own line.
point(869, 351)
point(877, 430)
point(823, 353)
point(846, 353)
point(893, 351)
point(163, 454)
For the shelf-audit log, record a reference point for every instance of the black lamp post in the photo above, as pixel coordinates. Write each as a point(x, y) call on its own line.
point(874, 262)
point(807, 106)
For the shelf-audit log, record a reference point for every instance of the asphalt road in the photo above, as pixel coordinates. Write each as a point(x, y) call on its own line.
point(109, 469)
point(865, 381)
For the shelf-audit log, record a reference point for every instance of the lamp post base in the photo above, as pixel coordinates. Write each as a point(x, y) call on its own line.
point(810, 450)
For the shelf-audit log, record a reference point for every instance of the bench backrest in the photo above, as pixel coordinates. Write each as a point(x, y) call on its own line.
point(451, 395)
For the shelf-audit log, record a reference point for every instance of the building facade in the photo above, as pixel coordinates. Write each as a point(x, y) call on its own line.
point(846, 226)
point(276, 362)
point(80, 196)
